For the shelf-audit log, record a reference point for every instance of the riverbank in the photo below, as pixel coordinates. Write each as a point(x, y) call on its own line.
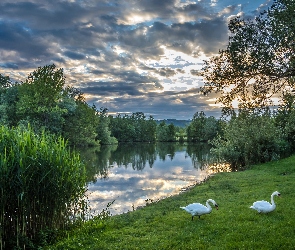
point(163, 225)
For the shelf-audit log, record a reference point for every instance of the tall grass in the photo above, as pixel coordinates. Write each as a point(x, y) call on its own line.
point(42, 186)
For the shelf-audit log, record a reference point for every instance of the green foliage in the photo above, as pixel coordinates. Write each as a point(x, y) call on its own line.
point(163, 225)
point(8, 99)
point(166, 133)
point(5, 82)
point(133, 128)
point(39, 97)
point(42, 186)
point(80, 127)
point(249, 138)
point(285, 119)
point(203, 128)
point(180, 134)
point(103, 129)
point(259, 60)
point(45, 102)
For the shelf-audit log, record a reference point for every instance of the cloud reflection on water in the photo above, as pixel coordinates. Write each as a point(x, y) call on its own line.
point(131, 188)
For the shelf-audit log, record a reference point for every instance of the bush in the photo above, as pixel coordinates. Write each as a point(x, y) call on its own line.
point(250, 138)
point(42, 186)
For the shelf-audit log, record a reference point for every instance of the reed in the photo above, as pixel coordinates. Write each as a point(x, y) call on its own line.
point(42, 186)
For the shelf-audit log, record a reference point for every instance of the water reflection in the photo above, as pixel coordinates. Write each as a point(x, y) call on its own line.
point(218, 168)
point(132, 174)
point(135, 155)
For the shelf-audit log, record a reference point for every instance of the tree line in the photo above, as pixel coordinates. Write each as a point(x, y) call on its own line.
point(46, 102)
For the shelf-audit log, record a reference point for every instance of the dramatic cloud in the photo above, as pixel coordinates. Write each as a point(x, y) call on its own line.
point(128, 56)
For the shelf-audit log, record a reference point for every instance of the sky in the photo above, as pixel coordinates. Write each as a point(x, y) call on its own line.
point(125, 55)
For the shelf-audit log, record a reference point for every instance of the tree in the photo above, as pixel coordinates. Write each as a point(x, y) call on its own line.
point(80, 127)
point(45, 102)
point(162, 131)
point(103, 128)
point(166, 133)
point(259, 60)
point(122, 128)
point(39, 98)
point(196, 129)
point(150, 131)
point(171, 132)
point(203, 128)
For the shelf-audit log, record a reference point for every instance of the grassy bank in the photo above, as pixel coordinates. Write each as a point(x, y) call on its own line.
point(163, 225)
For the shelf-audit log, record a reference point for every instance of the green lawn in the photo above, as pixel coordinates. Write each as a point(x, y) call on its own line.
point(163, 225)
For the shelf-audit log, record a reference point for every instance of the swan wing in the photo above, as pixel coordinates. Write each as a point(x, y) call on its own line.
point(263, 206)
point(196, 209)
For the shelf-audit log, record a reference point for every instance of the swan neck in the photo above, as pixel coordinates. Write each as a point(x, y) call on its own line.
point(272, 200)
point(208, 204)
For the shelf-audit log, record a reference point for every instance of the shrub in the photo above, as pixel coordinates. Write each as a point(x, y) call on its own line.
point(250, 138)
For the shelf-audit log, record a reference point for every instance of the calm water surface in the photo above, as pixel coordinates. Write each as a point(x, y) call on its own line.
point(131, 174)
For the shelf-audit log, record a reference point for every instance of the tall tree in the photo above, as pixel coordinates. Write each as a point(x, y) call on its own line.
point(171, 132)
point(203, 128)
point(103, 128)
point(259, 60)
point(162, 131)
point(196, 129)
point(80, 126)
point(39, 98)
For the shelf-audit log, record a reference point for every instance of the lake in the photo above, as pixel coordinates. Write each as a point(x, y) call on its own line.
point(133, 174)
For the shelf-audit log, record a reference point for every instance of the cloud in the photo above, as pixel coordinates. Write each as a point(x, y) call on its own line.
point(130, 54)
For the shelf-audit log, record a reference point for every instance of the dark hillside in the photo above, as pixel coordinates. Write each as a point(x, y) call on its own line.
point(175, 122)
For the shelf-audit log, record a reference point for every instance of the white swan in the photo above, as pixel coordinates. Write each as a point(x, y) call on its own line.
point(199, 209)
point(264, 206)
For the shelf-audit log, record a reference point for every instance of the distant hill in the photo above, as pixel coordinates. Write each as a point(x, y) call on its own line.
point(175, 122)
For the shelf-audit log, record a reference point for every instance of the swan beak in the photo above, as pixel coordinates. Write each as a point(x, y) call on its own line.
point(216, 206)
point(279, 195)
